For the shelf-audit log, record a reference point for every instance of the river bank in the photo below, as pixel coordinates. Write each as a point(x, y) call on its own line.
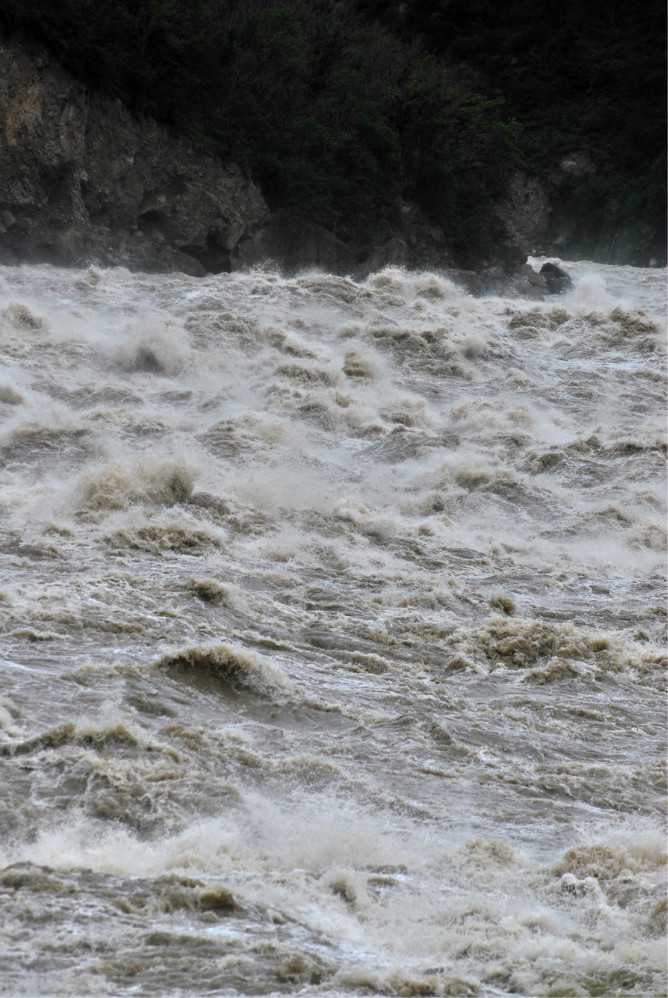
point(84, 181)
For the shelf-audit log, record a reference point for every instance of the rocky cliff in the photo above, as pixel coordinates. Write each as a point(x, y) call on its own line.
point(82, 180)
point(540, 215)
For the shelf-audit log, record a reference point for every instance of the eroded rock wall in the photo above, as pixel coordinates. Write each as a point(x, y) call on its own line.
point(82, 180)
point(542, 215)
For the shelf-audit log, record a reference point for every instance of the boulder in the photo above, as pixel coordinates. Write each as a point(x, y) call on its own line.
point(556, 279)
point(469, 280)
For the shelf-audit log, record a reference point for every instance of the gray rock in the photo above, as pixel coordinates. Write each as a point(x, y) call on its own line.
point(526, 210)
point(467, 279)
point(557, 280)
point(392, 253)
point(82, 180)
point(528, 283)
point(294, 244)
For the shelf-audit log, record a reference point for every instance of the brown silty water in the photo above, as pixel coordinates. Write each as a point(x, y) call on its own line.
point(333, 635)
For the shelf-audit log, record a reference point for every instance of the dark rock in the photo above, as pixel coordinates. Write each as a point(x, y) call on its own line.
point(525, 211)
point(535, 279)
point(82, 180)
point(518, 281)
point(392, 253)
point(294, 244)
point(557, 280)
point(527, 283)
point(467, 279)
point(412, 242)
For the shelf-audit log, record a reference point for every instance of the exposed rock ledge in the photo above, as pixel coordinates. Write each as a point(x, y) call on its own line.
point(82, 180)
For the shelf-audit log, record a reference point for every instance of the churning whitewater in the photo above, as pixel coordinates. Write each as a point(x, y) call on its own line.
point(333, 621)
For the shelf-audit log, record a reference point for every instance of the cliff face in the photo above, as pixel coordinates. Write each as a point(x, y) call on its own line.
point(541, 216)
point(82, 180)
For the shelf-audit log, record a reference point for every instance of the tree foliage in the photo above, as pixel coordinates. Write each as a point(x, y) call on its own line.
point(579, 76)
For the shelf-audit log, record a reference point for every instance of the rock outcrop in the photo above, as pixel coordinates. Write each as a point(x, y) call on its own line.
point(557, 280)
point(296, 244)
point(541, 215)
point(82, 180)
point(526, 210)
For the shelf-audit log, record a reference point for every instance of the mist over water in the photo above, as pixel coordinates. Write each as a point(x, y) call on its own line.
point(333, 635)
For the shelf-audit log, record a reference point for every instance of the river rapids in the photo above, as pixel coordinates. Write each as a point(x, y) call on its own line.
point(332, 635)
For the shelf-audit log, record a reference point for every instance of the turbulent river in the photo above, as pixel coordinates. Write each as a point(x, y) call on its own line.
point(333, 635)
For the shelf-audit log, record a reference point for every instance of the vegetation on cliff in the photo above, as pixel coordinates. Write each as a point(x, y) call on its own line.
point(580, 77)
point(340, 108)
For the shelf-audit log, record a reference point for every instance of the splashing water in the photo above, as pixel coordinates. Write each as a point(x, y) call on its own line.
point(333, 623)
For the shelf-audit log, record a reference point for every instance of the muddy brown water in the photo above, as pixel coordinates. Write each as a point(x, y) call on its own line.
point(332, 635)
